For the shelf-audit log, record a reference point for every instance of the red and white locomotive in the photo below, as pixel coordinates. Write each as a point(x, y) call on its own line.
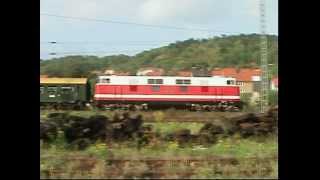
point(195, 93)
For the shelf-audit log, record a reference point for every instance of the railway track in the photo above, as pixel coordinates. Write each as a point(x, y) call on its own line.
point(181, 167)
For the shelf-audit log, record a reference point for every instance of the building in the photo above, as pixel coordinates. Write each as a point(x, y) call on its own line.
point(274, 84)
point(150, 71)
point(247, 78)
point(228, 72)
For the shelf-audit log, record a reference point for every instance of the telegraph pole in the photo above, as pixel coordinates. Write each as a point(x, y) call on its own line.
point(263, 59)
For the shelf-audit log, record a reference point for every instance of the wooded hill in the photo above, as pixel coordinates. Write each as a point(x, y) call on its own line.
point(225, 51)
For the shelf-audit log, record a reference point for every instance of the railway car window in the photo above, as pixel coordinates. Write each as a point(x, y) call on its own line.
point(41, 90)
point(204, 89)
point(155, 88)
point(183, 88)
point(133, 88)
point(52, 90)
point(183, 81)
point(66, 90)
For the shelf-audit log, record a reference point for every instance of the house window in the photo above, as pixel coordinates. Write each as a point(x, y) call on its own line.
point(67, 90)
point(183, 81)
point(155, 88)
point(183, 88)
point(204, 89)
point(41, 90)
point(239, 83)
point(155, 81)
point(133, 88)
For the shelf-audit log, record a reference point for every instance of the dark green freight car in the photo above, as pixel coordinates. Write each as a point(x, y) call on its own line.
point(59, 92)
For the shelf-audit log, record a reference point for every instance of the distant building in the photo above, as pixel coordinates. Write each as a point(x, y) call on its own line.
point(150, 71)
point(274, 84)
point(247, 78)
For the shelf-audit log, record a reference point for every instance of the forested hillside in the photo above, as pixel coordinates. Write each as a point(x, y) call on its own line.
point(224, 51)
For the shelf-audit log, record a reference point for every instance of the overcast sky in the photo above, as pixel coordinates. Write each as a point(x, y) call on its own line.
point(102, 38)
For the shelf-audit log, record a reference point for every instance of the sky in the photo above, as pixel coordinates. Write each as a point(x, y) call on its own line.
point(104, 28)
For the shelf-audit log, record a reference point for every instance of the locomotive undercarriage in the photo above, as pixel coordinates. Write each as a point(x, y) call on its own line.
point(217, 106)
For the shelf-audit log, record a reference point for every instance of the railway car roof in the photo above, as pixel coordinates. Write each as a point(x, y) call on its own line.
point(63, 80)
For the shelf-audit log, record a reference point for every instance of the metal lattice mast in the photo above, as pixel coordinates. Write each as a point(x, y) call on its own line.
point(263, 58)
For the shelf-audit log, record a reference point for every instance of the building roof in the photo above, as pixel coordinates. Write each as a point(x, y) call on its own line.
point(244, 74)
point(247, 74)
point(231, 72)
point(63, 80)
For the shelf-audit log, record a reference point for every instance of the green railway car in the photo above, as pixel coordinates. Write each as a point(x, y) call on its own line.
point(64, 92)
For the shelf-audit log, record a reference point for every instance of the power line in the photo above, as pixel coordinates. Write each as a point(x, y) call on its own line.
point(89, 52)
point(135, 24)
point(101, 42)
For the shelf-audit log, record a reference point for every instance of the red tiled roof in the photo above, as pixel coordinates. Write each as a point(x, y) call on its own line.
point(246, 74)
point(231, 72)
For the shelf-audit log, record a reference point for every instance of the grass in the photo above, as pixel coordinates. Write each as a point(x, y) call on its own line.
point(55, 157)
point(56, 154)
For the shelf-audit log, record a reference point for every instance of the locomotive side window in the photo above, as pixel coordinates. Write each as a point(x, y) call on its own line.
point(155, 88)
point(183, 88)
point(155, 81)
point(105, 80)
point(183, 81)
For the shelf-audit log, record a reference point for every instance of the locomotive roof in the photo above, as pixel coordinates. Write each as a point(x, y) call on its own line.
point(63, 80)
point(169, 77)
point(166, 80)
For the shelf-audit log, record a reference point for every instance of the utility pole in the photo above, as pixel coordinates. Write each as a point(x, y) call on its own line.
point(263, 59)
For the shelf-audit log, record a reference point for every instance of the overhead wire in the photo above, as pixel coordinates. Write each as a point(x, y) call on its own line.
point(135, 24)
